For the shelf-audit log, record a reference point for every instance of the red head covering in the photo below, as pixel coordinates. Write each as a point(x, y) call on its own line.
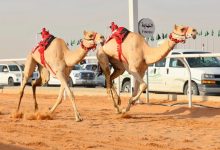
point(113, 26)
point(44, 33)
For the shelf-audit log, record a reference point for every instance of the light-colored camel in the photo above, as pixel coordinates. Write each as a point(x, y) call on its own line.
point(137, 55)
point(60, 61)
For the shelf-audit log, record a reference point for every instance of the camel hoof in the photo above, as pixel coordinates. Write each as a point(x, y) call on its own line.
point(17, 115)
point(79, 119)
point(49, 108)
point(119, 102)
point(118, 112)
point(36, 109)
point(124, 111)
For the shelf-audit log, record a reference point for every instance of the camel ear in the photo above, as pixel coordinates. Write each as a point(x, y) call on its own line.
point(175, 27)
point(84, 32)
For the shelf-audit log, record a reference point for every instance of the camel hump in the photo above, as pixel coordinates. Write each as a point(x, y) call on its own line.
point(58, 41)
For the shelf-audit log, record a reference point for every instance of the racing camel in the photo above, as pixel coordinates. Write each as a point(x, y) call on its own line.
point(135, 55)
point(58, 60)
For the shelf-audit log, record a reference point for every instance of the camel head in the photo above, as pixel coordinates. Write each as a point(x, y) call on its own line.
point(100, 39)
point(181, 33)
point(91, 39)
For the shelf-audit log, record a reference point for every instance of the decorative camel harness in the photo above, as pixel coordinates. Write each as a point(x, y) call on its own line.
point(119, 35)
point(182, 40)
point(88, 48)
point(42, 46)
point(45, 43)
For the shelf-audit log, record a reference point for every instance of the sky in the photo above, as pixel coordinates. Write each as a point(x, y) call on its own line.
point(21, 20)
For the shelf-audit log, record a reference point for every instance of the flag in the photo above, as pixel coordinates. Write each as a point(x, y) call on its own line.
point(200, 33)
point(158, 37)
point(72, 42)
point(212, 33)
point(164, 36)
point(206, 33)
point(78, 42)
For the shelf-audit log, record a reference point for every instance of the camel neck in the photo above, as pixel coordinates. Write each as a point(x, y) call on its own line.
point(73, 57)
point(154, 54)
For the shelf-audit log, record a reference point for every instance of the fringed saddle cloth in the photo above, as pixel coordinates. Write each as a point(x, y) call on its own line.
point(119, 35)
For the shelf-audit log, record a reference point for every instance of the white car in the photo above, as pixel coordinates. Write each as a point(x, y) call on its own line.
point(170, 75)
point(99, 78)
point(77, 76)
point(10, 74)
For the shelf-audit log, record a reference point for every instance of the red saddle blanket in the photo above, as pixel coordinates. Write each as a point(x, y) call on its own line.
point(119, 35)
point(42, 46)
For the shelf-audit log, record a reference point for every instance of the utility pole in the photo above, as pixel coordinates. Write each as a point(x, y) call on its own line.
point(133, 26)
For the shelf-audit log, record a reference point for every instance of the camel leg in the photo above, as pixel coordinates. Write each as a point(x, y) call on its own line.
point(104, 63)
point(117, 72)
point(110, 88)
point(28, 70)
point(143, 86)
point(44, 78)
point(64, 84)
point(59, 99)
point(34, 84)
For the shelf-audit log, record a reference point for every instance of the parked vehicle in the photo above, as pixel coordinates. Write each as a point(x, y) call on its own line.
point(170, 75)
point(10, 74)
point(99, 79)
point(77, 76)
point(90, 66)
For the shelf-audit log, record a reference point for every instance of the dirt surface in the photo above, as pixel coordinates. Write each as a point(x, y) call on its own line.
point(152, 127)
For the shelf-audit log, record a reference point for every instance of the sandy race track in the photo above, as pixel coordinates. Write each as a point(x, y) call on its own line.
point(145, 127)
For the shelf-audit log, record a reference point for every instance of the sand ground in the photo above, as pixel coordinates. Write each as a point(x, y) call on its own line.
point(147, 127)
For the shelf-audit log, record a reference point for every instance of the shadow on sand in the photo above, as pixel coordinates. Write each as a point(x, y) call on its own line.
point(194, 112)
point(11, 147)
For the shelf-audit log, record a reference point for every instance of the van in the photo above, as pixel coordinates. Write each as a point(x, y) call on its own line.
point(170, 75)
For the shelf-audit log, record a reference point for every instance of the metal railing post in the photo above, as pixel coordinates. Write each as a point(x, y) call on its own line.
point(147, 90)
point(189, 81)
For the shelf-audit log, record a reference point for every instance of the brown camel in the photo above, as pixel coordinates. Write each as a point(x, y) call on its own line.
point(60, 61)
point(137, 55)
